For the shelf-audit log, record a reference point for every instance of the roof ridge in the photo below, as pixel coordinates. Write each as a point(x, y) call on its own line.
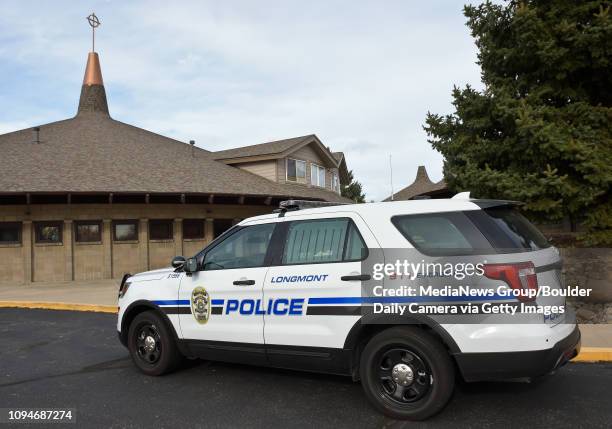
point(298, 140)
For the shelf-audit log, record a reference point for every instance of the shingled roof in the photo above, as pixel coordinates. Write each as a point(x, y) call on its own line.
point(94, 153)
point(272, 150)
point(422, 186)
point(342, 168)
point(268, 148)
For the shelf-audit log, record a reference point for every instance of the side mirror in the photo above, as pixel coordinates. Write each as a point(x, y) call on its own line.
point(191, 265)
point(178, 261)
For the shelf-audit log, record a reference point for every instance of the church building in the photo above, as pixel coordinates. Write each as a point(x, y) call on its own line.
point(91, 197)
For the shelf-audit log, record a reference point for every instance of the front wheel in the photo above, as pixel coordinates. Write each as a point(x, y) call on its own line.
point(152, 345)
point(407, 373)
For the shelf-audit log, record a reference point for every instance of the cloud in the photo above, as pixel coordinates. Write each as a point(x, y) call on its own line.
point(361, 75)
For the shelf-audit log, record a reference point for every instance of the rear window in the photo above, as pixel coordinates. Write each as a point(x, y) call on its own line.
point(507, 229)
point(441, 234)
point(492, 230)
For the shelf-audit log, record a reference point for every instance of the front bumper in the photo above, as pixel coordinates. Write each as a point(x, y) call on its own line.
point(509, 365)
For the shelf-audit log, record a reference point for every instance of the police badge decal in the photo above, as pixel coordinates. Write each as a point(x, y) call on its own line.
point(200, 305)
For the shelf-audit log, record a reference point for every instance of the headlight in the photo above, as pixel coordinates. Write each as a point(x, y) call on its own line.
point(123, 286)
point(124, 289)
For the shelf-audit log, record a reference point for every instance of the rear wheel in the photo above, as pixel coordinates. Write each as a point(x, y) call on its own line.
point(406, 373)
point(152, 345)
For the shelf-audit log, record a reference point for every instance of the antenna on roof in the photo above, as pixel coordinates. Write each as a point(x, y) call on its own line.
point(391, 174)
point(192, 143)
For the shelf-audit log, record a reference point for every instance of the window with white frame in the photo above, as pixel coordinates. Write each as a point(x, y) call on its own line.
point(335, 183)
point(317, 175)
point(296, 170)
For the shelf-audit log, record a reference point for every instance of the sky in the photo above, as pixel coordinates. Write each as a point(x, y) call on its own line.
point(361, 75)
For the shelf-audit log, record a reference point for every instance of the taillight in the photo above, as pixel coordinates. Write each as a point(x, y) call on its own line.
point(520, 276)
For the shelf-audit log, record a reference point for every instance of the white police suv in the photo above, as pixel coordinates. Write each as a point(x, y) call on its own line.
point(296, 289)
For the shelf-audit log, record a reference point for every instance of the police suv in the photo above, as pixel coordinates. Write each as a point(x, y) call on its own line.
point(286, 290)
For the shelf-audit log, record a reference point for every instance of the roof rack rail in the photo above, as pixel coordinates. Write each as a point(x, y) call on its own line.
point(292, 205)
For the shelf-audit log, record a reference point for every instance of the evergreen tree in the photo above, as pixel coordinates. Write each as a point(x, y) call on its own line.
point(540, 131)
point(353, 190)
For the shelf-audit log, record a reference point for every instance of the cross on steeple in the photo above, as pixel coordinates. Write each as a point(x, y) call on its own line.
point(94, 22)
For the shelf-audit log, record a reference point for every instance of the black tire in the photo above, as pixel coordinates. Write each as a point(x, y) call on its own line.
point(395, 394)
point(164, 356)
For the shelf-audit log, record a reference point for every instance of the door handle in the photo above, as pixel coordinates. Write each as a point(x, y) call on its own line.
point(244, 282)
point(360, 277)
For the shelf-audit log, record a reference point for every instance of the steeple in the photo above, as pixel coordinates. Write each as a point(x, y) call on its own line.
point(93, 95)
point(422, 175)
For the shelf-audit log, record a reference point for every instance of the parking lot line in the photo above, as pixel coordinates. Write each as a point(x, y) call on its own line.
point(59, 306)
point(594, 354)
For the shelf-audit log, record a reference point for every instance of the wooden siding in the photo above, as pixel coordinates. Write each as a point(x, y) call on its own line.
point(265, 169)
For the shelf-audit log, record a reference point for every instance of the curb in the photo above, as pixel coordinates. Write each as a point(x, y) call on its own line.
point(587, 354)
point(594, 354)
point(60, 306)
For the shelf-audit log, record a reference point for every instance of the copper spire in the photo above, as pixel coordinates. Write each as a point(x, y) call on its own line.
point(93, 95)
point(93, 72)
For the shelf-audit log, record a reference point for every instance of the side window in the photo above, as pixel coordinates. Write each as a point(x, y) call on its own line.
point(507, 229)
point(88, 231)
point(355, 249)
point(245, 248)
point(10, 233)
point(296, 170)
point(322, 240)
point(125, 230)
point(161, 229)
point(441, 234)
point(48, 232)
point(193, 229)
point(317, 175)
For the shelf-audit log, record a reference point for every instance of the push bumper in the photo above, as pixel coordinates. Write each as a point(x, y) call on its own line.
point(509, 365)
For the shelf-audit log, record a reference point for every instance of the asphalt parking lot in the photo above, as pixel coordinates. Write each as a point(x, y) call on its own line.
point(60, 359)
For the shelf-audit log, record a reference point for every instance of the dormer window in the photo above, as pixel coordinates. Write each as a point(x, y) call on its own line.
point(317, 175)
point(296, 170)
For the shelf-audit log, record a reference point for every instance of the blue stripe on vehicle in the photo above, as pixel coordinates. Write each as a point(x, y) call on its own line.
point(172, 302)
point(184, 302)
point(399, 299)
